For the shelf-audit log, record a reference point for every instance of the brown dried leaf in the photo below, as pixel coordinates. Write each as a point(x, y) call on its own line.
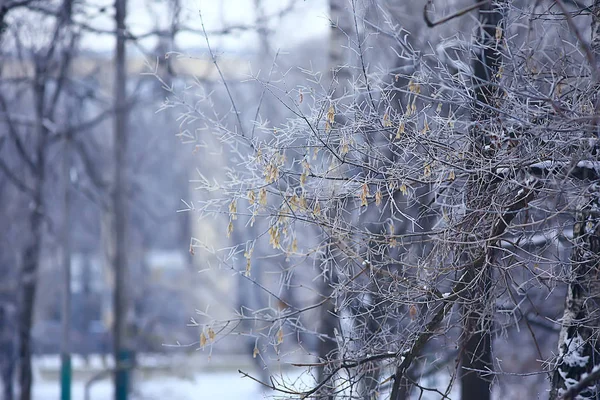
point(413, 312)
point(280, 336)
point(255, 352)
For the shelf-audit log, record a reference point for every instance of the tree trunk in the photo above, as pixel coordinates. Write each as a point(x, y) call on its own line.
point(119, 204)
point(339, 41)
point(476, 347)
point(477, 343)
point(27, 302)
point(28, 280)
point(329, 323)
point(578, 347)
point(31, 253)
point(7, 348)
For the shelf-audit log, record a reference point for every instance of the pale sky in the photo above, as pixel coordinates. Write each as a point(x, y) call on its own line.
point(307, 20)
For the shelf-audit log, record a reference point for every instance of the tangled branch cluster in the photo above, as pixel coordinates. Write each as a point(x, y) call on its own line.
point(437, 205)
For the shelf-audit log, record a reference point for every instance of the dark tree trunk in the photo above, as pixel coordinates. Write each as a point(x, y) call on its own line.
point(578, 347)
point(8, 373)
point(121, 307)
point(327, 345)
point(477, 345)
point(476, 348)
point(7, 349)
point(340, 74)
point(45, 101)
point(27, 303)
point(31, 253)
point(329, 323)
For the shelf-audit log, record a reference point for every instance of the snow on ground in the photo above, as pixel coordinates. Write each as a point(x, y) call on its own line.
point(164, 377)
point(222, 385)
point(185, 377)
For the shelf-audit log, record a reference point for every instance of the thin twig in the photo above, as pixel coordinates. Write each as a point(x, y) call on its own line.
point(450, 17)
point(214, 60)
point(585, 46)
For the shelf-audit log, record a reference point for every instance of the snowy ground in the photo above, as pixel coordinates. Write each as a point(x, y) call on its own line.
point(179, 377)
point(222, 385)
point(186, 377)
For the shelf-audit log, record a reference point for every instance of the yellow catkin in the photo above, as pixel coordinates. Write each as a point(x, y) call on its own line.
point(344, 148)
point(303, 202)
point(317, 209)
point(271, 172)
point(413, 312)
point(364, 195)
point(331, 115)
point(427, 170)
point(403, 189)
point(386, 120)
point(293, 202)
point(262, 197)
point(248, 257)
point(248, 267)
point(400, 130)
point(303, 179)
point(498, 33)
point(425, 127)
point(280, 336)
point(274, 236)
point(233, 209)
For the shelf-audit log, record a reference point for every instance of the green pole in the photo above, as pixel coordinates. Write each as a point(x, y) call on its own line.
point(122, 375)
point(65, 377)
point(65, 368)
